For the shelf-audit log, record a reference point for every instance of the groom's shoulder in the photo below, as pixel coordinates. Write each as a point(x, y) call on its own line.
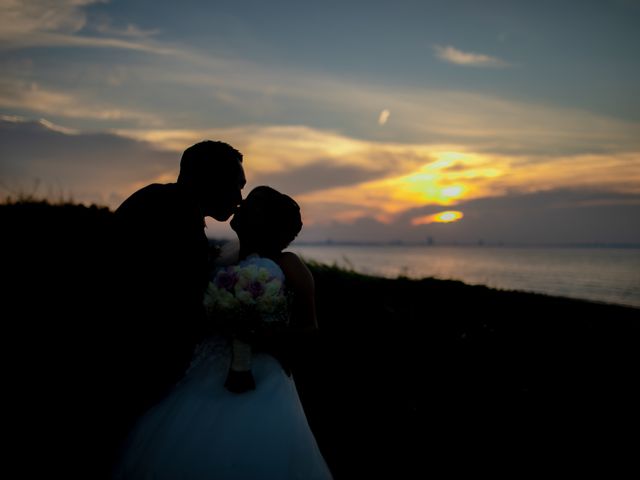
point(154, 190)
point(148, 196)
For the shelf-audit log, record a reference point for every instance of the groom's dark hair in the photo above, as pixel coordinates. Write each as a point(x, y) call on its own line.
point(210, 159)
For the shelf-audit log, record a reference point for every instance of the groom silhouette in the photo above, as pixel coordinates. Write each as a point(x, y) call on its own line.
point(161, 263)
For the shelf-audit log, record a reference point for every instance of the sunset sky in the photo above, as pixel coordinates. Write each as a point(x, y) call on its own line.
point(514, 122)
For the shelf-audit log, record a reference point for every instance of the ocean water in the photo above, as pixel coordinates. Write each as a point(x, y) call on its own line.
point(610, 275)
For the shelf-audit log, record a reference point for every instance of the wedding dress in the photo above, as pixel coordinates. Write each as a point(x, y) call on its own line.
point(203, 431)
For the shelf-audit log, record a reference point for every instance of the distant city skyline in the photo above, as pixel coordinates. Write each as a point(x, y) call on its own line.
point(463, 121)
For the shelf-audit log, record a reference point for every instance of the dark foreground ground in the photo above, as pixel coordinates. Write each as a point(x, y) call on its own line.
point(407, 379)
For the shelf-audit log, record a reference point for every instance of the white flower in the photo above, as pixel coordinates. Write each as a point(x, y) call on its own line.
point(253, 286)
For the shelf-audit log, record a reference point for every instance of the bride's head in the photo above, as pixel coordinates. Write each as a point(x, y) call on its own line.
point(267, 221)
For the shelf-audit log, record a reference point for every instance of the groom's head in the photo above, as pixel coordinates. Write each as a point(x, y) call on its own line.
point(213, 173)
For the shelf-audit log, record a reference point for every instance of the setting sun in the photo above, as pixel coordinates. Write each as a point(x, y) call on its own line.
point(442, 217)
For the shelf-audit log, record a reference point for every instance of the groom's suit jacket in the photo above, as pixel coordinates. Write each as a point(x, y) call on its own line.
point(161, 253)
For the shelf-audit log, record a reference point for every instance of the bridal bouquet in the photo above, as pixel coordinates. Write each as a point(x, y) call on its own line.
point(246, 298)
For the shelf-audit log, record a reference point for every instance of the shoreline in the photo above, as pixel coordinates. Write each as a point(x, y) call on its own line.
point(481, 285)
point(497, 245)
point(603, 275)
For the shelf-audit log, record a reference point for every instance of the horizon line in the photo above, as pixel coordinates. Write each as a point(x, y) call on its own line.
point(403, 243)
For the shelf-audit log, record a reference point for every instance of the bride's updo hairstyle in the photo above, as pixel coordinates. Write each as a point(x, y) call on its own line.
point(267, 221)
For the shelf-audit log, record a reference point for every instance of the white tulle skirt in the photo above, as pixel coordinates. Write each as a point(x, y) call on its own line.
point(203, 431)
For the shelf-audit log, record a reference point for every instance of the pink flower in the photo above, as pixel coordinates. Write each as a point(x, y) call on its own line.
point(226, 279)
point(255, 288)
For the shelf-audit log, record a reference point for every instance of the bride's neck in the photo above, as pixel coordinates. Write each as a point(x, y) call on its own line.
point(247, 249)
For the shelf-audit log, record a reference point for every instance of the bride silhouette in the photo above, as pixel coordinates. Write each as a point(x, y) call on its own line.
point(207, 427)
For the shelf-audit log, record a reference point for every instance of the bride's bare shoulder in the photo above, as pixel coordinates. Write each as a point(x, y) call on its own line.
point(295, 270)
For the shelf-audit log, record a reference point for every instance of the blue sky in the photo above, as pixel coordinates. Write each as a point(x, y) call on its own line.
point(376, 116)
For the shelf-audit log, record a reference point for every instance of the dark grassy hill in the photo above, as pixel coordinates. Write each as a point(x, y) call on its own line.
point(407, 376)
point(432, 372)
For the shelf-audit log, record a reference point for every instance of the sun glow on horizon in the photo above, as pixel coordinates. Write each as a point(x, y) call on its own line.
point(448, 216)
point(452, 177)
point(441, 176)
point(425, 187)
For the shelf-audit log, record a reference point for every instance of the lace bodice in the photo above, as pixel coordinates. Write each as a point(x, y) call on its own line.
point(263, 262)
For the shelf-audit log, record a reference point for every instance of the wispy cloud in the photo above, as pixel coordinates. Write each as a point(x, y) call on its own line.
point(50, 23)
point(88, 167)
point(274, 149)
point(32, 97)
point(30, 16)
point(480, 122)
point(130, 30)
point(468, 59)
point(384, 116)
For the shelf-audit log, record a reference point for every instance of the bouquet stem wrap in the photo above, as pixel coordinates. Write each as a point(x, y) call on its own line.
point(240, 356)
point(240, 379)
